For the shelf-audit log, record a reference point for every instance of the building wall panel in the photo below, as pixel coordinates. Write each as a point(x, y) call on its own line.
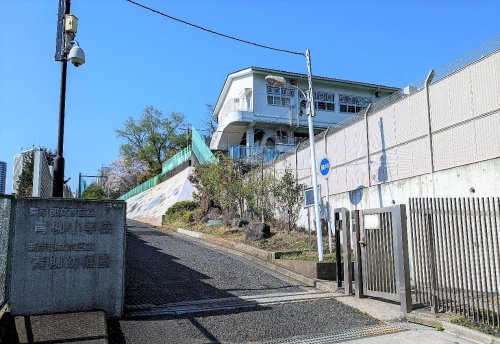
point(488, 137)
point(485, 78)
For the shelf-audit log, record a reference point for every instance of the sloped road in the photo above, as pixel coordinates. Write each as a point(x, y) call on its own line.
point(168, 277)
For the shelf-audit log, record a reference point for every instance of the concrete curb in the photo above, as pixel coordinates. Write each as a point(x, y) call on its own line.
point(457, 330)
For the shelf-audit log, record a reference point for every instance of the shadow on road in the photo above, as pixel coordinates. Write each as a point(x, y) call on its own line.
point(153, 278)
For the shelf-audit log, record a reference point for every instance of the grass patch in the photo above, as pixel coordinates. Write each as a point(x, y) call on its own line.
point(309, 256)
point(184, 214)
point(439, 327)
point(470, 323)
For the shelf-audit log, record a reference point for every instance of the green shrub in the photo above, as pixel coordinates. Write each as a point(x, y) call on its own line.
point(181, 212)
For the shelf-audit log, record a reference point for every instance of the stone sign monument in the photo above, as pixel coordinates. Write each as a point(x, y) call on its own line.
point(5, 218)
point(68, 255)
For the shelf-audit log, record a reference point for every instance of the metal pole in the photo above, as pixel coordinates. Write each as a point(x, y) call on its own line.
point(80, 185)
point(319, 235)
point(58, 182)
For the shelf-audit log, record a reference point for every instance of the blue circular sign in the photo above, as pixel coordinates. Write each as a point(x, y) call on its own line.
point(324, 167)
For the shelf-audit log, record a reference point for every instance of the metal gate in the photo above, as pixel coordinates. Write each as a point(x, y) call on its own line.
point(384, 254)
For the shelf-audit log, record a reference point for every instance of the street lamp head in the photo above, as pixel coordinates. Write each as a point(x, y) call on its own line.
point(274, 80)
point(76, 55)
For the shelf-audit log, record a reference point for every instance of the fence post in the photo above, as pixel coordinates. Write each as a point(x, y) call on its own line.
point(346, 229)
point(401, 264)
point(358, 270)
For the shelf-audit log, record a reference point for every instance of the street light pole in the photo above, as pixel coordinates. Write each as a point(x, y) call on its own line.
point(280, 81)
point(58, 181)
point(312, 113)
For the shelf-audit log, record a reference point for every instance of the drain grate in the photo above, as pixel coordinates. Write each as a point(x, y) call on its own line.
point(338, 337)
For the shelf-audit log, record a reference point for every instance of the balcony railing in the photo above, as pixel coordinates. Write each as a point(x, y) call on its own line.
point(258, 154)
point(236, 104)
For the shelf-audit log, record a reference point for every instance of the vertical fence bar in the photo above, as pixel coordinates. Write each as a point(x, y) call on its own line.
point(438, 243)
point(348, 273)
point(413, 238)
point(374, 259)
point(400, 242)
point(389, 261)
point(462, 261)
point(378, 253)
point(432, 265)
point(454, 262)
point(429, 253)
point(480, 248)
point(447, 256)
point(496, 246)
point(442, 236)
point(383, 253)
point(424, 253)
point(459, 258)
point(486, 258)
point(372, 276)
point(389, 257)
point(355, 223)
point(475, 256)
point(472, 263)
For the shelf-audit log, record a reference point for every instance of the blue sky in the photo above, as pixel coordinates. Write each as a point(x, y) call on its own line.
point(136, 58)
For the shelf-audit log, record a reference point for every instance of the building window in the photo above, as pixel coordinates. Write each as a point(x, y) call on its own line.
point(280, 96)
point(323, 101)
point(352, 104)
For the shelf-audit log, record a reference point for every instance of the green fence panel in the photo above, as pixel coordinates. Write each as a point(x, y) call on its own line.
point(176, 160)
point(200, 149)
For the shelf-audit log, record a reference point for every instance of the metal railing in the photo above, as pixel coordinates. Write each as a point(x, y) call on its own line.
point(258, 154)
point(456, 258)
point(198, 147)
point(179, 158)
point(236, 104)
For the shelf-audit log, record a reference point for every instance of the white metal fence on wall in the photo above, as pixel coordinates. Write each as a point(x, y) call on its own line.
point(452, 120)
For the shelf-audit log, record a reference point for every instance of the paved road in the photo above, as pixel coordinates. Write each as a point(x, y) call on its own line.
point(181, 291)
point(164, 270)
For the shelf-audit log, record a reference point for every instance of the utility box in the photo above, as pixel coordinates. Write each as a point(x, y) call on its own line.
point(70, 24)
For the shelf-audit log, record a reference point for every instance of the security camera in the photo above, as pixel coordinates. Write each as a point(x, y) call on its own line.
point(76, 55)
